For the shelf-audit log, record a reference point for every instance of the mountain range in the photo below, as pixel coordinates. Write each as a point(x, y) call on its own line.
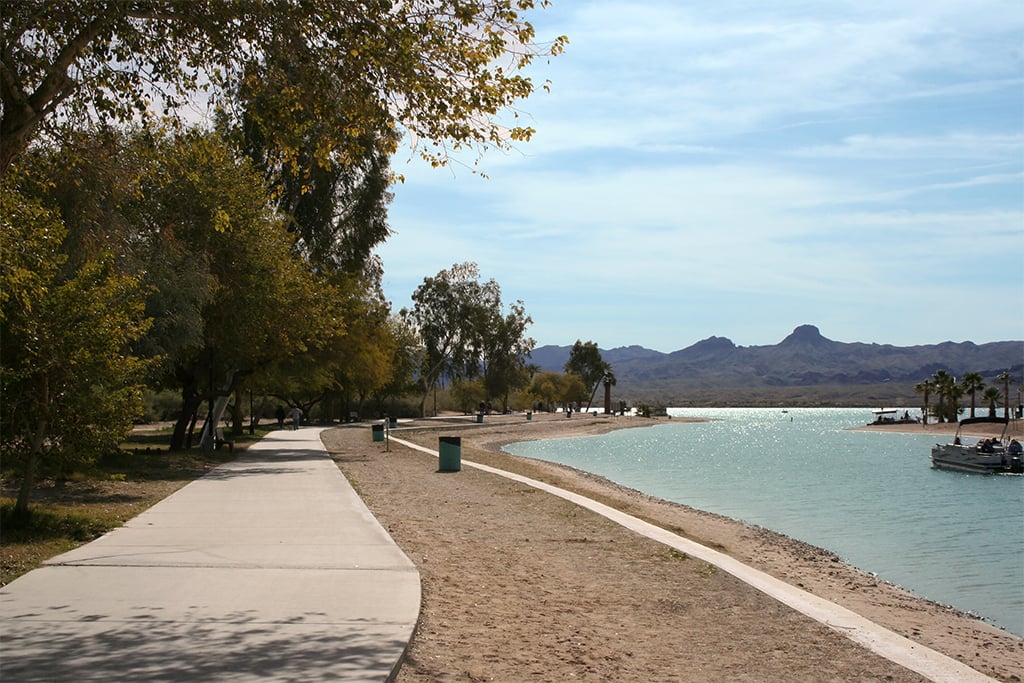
point(805, 368)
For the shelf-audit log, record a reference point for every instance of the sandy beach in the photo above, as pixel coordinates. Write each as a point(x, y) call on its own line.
point(519, 585)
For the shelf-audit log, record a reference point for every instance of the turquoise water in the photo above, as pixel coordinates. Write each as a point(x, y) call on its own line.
point(872, 498)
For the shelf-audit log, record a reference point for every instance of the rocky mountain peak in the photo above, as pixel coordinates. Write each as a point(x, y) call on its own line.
point(806, 335)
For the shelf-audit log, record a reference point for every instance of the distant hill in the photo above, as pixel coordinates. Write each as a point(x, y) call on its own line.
point(805, 368)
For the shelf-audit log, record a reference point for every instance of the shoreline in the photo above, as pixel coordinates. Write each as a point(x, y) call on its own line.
point(1015, 429)
point(986, 648)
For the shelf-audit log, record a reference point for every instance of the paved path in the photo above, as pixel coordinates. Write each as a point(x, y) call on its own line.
point(268, 568)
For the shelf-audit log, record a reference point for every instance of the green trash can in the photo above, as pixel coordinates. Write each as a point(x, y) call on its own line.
point(529, 416)
point(449, 454)
point(479, 418)
point(378, 432)
point(392, 422)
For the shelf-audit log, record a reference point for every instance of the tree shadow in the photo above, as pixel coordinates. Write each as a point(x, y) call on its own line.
point(240, 646)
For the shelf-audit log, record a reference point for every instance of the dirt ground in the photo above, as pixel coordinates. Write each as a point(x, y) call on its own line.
point(519, 585)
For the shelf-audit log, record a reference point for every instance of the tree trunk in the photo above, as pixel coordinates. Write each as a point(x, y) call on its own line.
point(237, 413)
point(423, 399)
point(28, 482)
point(206, 441)
point(189, 404)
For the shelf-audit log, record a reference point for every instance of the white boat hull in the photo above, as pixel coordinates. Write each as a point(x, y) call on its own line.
point(970, 459)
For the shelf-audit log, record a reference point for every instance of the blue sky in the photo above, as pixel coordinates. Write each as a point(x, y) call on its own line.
point(741, 168)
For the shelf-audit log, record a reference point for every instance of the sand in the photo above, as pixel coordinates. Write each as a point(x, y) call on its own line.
point(519, 585)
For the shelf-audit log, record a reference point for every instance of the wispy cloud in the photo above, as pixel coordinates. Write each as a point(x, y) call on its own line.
point(977, 146)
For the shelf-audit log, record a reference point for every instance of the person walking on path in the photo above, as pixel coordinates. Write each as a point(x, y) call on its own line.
point(296, 417)
point(279, 414)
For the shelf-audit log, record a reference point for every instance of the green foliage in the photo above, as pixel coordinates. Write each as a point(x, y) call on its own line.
point(336, 206)
point(506, 349)
point(464, 333)
point(160, 406)
point(468, 394)
point(585, 361)
point(971, 383)
point(991, 396)
point(948, 393)
point(331, 70)
point(71, 384)
point(553, 389)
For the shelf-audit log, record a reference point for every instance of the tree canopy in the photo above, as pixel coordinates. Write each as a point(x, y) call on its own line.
point(442, 70)
point(464, 332)
point(585, 360)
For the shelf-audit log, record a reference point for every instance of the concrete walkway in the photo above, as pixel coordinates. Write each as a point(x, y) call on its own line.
point(268, 568)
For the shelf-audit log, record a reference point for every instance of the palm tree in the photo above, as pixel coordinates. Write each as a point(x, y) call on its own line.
point(992, 396)
point(972, 383)
point(943, 383)
point(925, 388)
point(953, 407)
point(1006, 378)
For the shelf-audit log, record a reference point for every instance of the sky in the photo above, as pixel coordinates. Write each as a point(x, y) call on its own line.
point(738, 169)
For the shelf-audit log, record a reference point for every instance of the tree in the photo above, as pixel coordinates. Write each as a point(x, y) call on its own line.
point(972, 383)
point(464, 333)
point(227, 292)
point(444, 310)
point(948, 396)
point(263, 305)
point(585, 360)
point(468, 394)
point(925, 388)
point(506, 351)
point(441, 70)
point(335, 203)
point(71, 384)
point(403, 362)
point(366, 354)
point(1005, 378)
point(555, 388)
point(991, 396)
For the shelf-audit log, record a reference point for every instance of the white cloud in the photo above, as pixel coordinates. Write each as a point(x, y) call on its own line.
point(953, 145)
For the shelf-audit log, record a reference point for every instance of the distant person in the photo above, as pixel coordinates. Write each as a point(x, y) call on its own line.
point(279, 414)
point(296, 417)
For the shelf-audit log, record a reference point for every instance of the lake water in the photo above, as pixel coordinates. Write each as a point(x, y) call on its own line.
point(872, 498)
